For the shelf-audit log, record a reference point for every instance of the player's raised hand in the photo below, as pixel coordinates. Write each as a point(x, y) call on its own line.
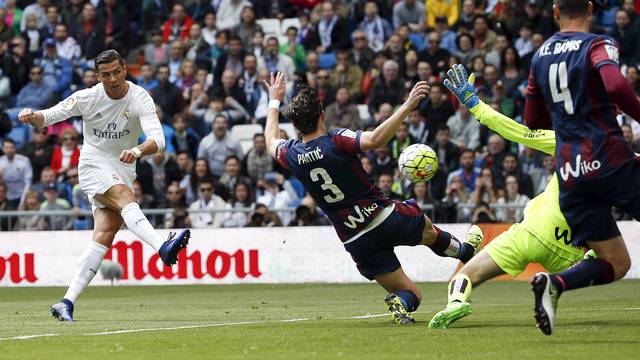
point(26, 116)
point(418, 93)
point(276, 86)
point(128, 156)
point(462, 86)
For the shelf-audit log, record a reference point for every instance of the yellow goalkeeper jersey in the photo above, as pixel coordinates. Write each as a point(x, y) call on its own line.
point(542, 215)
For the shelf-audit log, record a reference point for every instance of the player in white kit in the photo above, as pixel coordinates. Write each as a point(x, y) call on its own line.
point(115, 113)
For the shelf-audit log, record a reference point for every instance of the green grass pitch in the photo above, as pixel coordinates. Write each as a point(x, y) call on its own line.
point(326, 321)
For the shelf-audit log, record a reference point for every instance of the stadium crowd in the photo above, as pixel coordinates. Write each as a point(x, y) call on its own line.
point(203, 62)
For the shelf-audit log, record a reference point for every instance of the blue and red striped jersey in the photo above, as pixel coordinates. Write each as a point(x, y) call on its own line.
point(330, 170)
point(589, 141)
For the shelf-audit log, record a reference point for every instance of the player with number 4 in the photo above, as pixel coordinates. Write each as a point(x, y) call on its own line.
point(368, 224)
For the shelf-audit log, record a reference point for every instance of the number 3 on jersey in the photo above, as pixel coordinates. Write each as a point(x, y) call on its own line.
point(320, 174)
point(559, 72)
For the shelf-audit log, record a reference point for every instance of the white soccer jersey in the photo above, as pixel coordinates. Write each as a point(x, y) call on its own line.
point(110, 126)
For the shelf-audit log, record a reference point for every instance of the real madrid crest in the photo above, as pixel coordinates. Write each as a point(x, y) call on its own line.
point(126, 114)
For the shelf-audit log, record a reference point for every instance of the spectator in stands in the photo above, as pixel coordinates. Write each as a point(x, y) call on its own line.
point(15, 173)
point(376, 28)
point(57, 70)
point(66, 46)
point(37, 94)
point(437, 110)
point(156, 52)
point(274, 61)
point(52, 14)
point(165, 94)
point(16, 64)
point(497, 150)
point(384, 183)
point(465, 130)
point(388, 87)
point(176, 56)
point(294, 50)
point(494, 57)
point(361, 52)
point(262, 217)
point(232, 175)
point(30, 222)
point(343, 113)
point(234, 97)
point(198, 50)
point(67, 154)
point(455, 194)
point(143, 195)
point(410, 71)
point(146, 79)
point(434, 54)
point(257, 162)
point(47, 175)
point(89, 33)
point(511, 197)
point(384, 112)
point(510, 167)
point(448, 153)
point(219, 48)
point(418, 128)
point(466, 49)
point(248, 81)
point(625, 34)
point(483, 36)
point(199, 172)
point(38, 11)
point(5, 91)
point(68, 181)
point(117, 32)
point(207, 200)
point(80, 202)
point(175, 200)
point(513, 75)
point(467, 172)
point(395, 49)
point(178, 24)
point(231, 61)
point(482, 213)
point(241, 198)
point(331, 30)
point(39, 151)
point(326, 92)
point(184, 138)
point(34, 35)
point(14, 15)
point(346, 74)
point(420, 194)
point(53, 202)
point(274, 198)
point(89, 79)
point(229, 12)
point(534, 14)
point(165, 171)
point(247, 26)
point(218, 145)
point(401, 141)
point(409, 12)
point(209, 30)
point(186, 79)
point(447, 36)
point(257, 44)
point(524, 44)
point(485, 190)
point(627, 132)
point(541, 176)
point(5, 224)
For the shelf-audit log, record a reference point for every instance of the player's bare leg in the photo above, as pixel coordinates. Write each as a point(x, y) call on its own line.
point(478, 270)
point(612, 264)
point(404, 296)
point(444, 244)
point(120, 198)
point(107, 223)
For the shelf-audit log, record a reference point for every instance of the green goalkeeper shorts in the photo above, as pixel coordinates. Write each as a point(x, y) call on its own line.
point(515, 248)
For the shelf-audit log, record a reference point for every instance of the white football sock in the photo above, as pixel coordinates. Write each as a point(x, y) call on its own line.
point(90, 261)
point(139, 225)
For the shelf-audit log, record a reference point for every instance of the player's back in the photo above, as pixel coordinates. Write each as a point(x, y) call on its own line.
point(565, 72)
point(332, 173)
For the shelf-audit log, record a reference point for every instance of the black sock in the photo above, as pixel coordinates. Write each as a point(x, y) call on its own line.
point(446, 245)
point(585, 273)
point(409, 300)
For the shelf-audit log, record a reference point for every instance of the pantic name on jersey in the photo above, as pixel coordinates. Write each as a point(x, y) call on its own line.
point(310, 156)
point(560, 47)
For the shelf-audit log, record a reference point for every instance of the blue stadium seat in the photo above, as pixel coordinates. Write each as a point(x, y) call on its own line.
point(327, 60)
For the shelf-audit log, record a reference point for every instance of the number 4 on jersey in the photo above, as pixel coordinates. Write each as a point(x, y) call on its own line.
point(559, 72)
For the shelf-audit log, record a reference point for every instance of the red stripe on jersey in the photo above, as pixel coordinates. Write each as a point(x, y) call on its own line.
point(281, 157)
point(565, 157)
point(410, 209)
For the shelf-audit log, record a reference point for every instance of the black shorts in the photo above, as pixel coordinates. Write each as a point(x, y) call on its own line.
point(587, 204)
point(373, 251)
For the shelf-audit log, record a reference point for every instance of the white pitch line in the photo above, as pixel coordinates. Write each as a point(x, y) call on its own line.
point(25, 337)
point(368, 316)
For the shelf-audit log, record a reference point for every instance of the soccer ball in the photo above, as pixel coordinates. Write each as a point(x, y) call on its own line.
point(418, 163)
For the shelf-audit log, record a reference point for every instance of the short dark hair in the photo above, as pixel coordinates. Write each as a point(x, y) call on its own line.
point(473, 153)
point(304, 110)
point(257, 135)
point(9, 141)
point(443, 127)
point(232, 157)
point(511, 155)
point(108, 56)
point(572, 8)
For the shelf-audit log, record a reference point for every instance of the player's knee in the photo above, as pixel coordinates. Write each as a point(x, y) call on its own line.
point(418, 295)
point(621, 267)
point(104, 237)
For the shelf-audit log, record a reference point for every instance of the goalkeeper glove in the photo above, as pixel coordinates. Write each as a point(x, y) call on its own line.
point(462, 88)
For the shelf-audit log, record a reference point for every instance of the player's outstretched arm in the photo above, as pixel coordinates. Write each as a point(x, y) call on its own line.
point(462, 86)
point(61, 111)
point(379, 137)
point(275, 87)
point(33, 118)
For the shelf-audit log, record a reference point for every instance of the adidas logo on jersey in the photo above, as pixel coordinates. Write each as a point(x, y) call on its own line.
point(97, 116)
point(581, 168)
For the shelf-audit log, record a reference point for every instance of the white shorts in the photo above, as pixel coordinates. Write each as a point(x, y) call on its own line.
point(99, 174)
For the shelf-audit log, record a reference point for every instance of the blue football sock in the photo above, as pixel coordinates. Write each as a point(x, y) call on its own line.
point(409, 300)
point(585, 273)
point(446, 245)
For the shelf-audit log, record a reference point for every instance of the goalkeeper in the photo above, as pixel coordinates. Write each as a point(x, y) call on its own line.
point(542, 237)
